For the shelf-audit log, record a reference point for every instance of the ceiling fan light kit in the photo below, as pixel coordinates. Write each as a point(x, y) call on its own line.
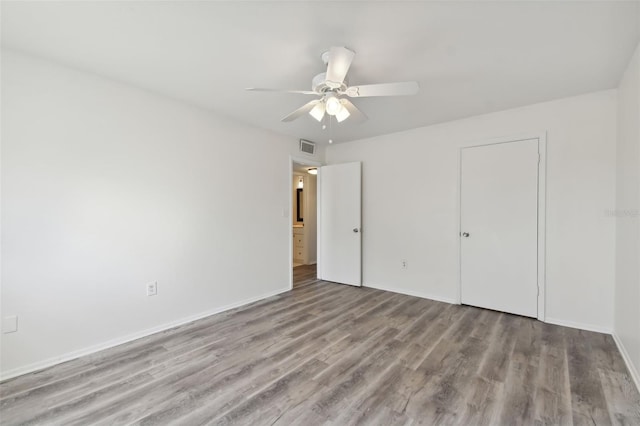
point(318, 111)
point(332, 85)
point(332, 104)
point(342, 114)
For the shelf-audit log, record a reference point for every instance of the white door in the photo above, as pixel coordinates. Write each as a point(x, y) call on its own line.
point(339, 233)
point(499, 227)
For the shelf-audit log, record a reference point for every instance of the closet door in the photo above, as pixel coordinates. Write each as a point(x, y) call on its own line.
point(499, 227)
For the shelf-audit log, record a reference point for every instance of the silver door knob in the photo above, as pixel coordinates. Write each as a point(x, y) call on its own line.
point(356, 230)
point(465, 234)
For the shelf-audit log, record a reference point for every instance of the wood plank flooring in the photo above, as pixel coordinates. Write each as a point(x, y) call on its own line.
point(334, 354)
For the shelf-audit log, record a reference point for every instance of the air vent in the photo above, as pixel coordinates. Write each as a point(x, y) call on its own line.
point(307, 147)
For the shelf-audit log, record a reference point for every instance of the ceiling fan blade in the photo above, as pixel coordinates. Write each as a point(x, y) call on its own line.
point(355, 114)
point(384, 89)
point(259, 89)
point(339, 62)
point(304, 109)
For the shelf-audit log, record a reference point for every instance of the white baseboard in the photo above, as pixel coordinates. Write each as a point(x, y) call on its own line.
point(578, 325)
point(571, 324)
point(412, 293)
point(627, 360)
point(30, 368)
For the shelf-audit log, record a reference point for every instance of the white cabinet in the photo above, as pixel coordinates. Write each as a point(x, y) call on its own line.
point(298, 244)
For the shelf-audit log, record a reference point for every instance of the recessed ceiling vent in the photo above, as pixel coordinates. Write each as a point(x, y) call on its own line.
point(307, 147)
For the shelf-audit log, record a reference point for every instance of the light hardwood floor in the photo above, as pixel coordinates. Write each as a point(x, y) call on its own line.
point(334, 354)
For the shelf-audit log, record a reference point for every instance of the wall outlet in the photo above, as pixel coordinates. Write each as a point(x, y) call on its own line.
point(405, 264)
point(10, 324)
point(152, 289)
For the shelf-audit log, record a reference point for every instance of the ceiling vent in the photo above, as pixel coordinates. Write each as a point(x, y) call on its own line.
point(307, 147)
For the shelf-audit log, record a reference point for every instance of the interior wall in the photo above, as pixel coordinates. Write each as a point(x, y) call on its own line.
point(106, 188)
point(309, 222)
point(627, 214)
point(310, 218)
point(294, 201)
point(410, 190)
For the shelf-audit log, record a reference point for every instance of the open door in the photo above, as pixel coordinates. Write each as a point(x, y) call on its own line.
point(339, 223)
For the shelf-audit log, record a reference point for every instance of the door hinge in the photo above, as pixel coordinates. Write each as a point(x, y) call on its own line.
point(539, 158)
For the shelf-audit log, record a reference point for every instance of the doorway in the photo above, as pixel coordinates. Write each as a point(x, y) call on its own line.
point(502, 226)
point(303, 223)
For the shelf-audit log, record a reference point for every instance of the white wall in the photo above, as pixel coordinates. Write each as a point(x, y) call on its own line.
point(106, 188)
point(627, 291)
point(410, 210)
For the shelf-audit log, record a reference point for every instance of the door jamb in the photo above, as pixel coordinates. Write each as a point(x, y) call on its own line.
point(304, 162)
point(542, 208)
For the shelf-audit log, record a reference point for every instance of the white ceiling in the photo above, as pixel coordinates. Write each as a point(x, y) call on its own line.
point(301, 168)
point(469, 57)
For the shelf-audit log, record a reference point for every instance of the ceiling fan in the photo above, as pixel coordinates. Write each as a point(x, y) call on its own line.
point(331, 86)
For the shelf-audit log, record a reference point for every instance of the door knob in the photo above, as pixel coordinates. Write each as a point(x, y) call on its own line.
point(356, 230)
point(465, 234)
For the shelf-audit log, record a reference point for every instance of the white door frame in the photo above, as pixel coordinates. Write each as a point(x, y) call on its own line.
point(304, 162)
point(542, 208)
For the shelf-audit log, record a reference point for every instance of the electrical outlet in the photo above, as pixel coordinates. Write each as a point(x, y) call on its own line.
point(10, 324)
point(405, 264)
point(152, 289)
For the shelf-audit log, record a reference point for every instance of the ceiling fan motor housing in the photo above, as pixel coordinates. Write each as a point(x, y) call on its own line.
point(320, 85)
